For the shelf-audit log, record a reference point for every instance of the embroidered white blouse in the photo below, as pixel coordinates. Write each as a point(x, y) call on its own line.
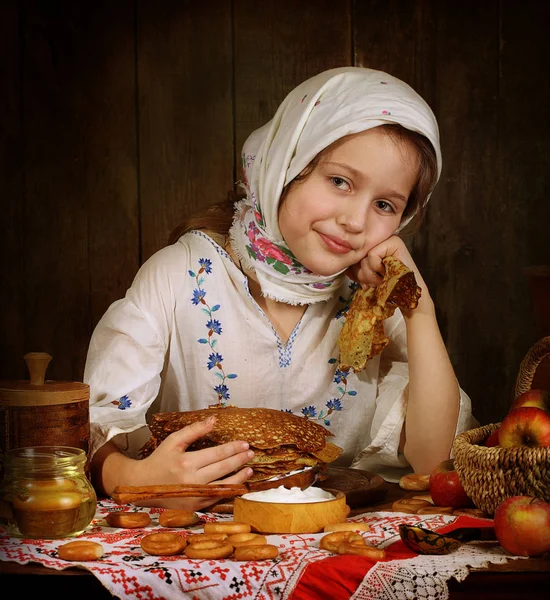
point(188, 334)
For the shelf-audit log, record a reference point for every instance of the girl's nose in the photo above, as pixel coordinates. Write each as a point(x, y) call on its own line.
point(354, 218)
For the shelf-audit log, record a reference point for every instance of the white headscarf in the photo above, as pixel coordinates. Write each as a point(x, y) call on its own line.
point(323, 109)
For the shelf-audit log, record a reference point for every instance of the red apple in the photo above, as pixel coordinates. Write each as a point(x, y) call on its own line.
point(493, 440)
point(536, 398)
point(528, 426)
point(445, 486)
point(522, 525)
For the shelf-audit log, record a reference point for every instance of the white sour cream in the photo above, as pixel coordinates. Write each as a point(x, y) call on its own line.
point(293, 495)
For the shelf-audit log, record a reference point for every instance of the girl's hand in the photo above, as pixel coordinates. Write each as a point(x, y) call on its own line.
point(170, 463)
point(370, 271)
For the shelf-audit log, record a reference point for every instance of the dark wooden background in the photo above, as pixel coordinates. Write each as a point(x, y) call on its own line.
point(117, 119)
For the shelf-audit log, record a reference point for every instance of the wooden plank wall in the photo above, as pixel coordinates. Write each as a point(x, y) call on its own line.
point(117, 119)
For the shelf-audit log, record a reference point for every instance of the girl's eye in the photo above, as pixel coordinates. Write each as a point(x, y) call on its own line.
point(385, 206)
point(340, 183)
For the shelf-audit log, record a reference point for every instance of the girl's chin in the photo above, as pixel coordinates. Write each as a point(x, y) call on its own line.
point(329, 274)
point(325, 266)
point(324, 271)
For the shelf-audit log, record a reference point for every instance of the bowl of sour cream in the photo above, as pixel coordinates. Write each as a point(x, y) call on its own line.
point(282, 510)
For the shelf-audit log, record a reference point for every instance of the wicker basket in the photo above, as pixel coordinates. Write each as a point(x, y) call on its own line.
point(490, 475)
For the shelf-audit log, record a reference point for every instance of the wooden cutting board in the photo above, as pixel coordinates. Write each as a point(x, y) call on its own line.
point(362, 488)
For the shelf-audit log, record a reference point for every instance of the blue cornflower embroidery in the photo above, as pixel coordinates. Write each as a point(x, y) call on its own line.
point(123, 403)
point(214, 327)
point(223, 391)
point(198, 296)
point(334, 404)
point(207, 264)
point(353, 285)
point(214, 360)
point(340, 376)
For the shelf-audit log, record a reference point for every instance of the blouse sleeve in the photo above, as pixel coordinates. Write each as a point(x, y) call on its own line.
point(382, 455)
point(127, 349)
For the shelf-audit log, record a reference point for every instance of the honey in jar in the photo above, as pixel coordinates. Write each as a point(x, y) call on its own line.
point(45, 492)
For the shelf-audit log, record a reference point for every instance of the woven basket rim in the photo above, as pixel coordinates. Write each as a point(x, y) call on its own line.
point(479, 434)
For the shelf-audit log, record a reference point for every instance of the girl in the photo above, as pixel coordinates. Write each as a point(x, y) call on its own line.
point(246, 305)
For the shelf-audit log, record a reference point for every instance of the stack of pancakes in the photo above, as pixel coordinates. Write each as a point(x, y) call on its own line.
point(282, 442)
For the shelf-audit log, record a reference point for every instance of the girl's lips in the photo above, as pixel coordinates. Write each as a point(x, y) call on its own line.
point(335, 244)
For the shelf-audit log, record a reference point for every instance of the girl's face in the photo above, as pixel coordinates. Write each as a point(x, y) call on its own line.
point(353, 200)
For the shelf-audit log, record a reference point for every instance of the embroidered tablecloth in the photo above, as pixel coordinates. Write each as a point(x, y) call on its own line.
point(302, 571)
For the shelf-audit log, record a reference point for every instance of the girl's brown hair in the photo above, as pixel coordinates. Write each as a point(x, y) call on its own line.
point(218, 218)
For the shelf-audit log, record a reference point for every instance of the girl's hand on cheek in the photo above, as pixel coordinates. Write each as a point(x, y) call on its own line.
point(370, 271)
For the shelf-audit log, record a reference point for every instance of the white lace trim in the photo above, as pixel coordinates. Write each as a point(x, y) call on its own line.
point(425, 577)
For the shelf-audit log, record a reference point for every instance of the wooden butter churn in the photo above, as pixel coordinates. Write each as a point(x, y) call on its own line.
point(40, 412)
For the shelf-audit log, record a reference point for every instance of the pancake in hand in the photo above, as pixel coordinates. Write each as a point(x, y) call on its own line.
point(362, 336)
point(282, 442)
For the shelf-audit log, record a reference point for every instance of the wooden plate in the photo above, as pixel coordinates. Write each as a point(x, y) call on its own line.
point(362, 488)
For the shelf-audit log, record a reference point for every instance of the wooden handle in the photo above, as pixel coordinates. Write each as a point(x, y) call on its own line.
point(124, 494)
point(37, 363)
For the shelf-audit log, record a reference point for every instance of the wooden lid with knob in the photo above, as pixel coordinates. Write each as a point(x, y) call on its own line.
point(39, 391)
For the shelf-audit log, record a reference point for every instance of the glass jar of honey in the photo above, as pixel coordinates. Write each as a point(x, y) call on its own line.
point(45, 492)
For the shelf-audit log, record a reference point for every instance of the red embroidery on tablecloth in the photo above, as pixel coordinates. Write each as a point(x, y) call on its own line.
point(194, 580)
point(221, 571)
point(385, 529)
point(130, 584)
point(126, 571)
point(127, 536)
point(298, 540)
point(193, 576)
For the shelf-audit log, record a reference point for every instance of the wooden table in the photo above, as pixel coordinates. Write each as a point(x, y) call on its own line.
point(523, 579)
